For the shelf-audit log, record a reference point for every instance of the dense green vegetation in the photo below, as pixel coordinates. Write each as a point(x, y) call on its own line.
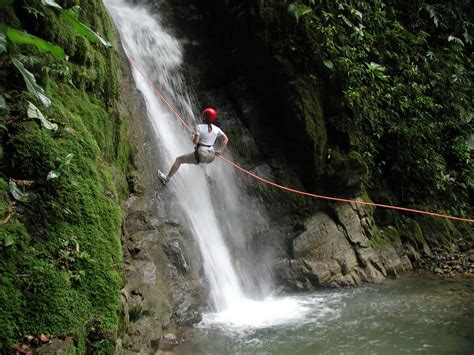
point(60, 216)
point(405, 74)
point(396, 78)
point(374, 97)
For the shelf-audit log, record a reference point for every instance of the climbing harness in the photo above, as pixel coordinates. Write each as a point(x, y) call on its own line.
point(238, 167)
point(196, 154)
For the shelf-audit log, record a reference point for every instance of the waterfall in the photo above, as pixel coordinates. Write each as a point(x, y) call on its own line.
point(159, 55)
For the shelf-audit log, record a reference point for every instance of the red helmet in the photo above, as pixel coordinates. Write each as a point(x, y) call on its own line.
point(209, 115)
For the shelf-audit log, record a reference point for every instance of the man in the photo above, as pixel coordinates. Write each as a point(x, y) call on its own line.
point(204, 137)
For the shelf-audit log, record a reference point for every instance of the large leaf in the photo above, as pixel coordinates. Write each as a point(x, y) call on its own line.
point(375, 67)
point(53, 174)
point(31, 83)
point(346, 20)
point(78, 25)
point(3, 104)
point(9, 240)
point(455, 39)
point(34, 112)
point(3, 39)
point(299, 10)
point(16, 192)
point(51, 3)
point(20, 37)
point(84, 30)
point(328, 63)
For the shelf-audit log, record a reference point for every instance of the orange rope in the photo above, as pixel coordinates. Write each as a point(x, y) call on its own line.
point(295, 190)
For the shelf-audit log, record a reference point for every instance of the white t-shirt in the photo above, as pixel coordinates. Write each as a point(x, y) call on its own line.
point(205, 137)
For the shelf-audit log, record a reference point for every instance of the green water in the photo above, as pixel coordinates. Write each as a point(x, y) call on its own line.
point(414, 314)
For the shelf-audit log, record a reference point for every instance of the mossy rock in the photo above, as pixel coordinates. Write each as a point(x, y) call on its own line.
point(385, 236)
point(384, 216)
point(377, 239)
point(306, 134)
point(309, 112)
point(438, 232)
point(347, 173)
point(392, 233)
point(62, 268)
point(411, 232)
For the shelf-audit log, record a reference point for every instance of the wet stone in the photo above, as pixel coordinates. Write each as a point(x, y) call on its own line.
point(168, 342)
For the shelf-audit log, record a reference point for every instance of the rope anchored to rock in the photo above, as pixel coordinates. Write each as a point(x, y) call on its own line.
point(285, 188)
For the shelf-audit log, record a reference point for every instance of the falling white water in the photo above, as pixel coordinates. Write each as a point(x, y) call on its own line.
point(159, 56)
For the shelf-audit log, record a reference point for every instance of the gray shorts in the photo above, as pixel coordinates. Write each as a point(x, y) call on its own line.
point(201, 155)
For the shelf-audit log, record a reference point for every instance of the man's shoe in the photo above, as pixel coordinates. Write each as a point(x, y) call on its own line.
point(164, 179)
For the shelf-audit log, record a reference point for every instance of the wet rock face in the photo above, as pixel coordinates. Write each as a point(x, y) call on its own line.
point(323, 242)
point(336, 251)
point(162, 285)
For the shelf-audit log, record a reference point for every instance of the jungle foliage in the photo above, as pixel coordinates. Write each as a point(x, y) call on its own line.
point(403, 74)
point(61, 138)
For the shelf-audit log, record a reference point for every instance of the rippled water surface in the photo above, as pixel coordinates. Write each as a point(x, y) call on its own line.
point(411, 314)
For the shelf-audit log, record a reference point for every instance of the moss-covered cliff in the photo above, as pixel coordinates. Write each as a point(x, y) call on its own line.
point(60, 251)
